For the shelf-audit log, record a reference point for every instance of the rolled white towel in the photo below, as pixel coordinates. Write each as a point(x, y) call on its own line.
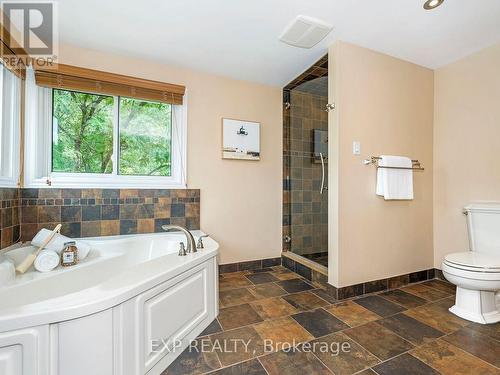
point(46, 261)
point(57, 243)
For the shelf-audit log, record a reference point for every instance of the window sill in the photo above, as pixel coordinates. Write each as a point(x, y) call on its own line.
point(107, 182)
point(8, 182)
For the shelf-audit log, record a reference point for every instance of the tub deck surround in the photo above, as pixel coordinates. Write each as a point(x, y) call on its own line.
point(105, 212)
point(112, 305)
point(406, 331)
point(9, 217)
point(117, 267)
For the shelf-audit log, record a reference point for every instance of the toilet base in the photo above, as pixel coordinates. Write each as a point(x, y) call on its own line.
point(477, 306)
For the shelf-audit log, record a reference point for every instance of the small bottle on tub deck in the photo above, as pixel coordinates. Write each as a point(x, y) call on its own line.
point(69, 255)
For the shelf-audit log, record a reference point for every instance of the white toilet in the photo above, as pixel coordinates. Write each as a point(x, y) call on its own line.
point(476, 273)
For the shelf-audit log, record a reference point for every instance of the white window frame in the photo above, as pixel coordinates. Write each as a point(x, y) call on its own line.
point(10, 111)
point(38, 153)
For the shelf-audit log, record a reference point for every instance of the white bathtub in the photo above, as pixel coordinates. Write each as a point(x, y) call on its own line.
point(109, 314)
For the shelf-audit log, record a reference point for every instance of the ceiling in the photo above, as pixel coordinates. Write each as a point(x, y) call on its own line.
point(239, 39)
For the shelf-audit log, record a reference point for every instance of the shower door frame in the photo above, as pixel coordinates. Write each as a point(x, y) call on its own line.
point(319, 69)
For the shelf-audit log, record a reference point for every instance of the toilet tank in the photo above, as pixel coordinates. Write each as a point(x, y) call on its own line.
point(483, 224)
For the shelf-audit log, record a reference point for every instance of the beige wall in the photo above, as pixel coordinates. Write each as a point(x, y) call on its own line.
point(240, 200)
point(387, 105)
point(466, 144)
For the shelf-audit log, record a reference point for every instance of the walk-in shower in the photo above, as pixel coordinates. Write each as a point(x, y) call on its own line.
point(305, 164)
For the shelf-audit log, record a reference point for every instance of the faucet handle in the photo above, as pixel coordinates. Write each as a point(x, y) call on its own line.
point(199, 244)
point(182, 249)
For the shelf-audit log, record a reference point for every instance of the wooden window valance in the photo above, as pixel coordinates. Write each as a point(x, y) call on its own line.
point(14, 61)
point(67, 77)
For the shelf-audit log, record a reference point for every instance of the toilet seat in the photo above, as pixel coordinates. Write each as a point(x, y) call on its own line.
point(477, 277)
point(474, 261)
point(476, 273)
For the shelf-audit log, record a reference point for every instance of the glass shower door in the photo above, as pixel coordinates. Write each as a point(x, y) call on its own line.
point(308, 171)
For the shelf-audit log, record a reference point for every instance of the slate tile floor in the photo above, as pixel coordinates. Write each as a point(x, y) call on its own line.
point(404, 331)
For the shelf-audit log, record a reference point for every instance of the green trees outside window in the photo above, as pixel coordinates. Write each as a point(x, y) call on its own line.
point(145, 138)
point(83, 131)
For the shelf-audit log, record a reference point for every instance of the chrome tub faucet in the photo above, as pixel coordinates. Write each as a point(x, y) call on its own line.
point(199, 244)
point(191, 244)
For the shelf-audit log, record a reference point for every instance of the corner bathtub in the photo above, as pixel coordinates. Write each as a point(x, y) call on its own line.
point(112, 313)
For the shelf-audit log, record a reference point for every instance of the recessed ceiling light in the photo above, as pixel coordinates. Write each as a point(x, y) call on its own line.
point(432, 4)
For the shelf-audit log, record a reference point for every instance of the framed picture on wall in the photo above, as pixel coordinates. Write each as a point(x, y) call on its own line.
point(240, 139)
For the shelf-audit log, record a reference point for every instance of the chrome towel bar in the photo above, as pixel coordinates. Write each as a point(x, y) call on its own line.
point(375, 159)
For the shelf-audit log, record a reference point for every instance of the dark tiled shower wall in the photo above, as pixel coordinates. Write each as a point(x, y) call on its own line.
point(9, 217)
point(106, 212)
point(305, 210)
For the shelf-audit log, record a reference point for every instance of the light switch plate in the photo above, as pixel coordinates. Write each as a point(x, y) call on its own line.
point(356, 148)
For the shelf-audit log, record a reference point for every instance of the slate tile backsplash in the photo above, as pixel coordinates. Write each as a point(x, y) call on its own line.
point(9, 217)
point(104, 212)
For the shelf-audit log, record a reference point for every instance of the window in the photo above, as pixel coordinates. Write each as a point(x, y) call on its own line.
point(82, 132)
point(9, 127)
point(145, 130)
point(95, 140)
point(82, 135)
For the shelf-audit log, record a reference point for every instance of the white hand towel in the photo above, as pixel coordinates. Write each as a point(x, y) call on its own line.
point(57, 243)
point(395, 184)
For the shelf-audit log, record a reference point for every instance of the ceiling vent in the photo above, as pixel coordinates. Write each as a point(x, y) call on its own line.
point(305, 32)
